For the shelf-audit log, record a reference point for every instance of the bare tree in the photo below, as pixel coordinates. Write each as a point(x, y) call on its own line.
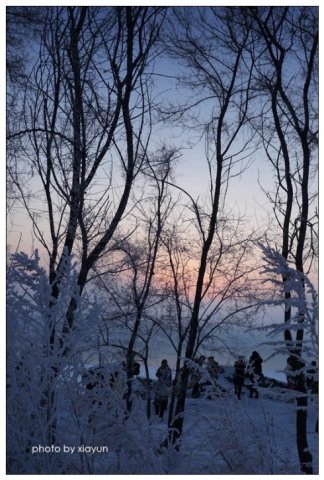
point(23, 29)
point(229, 288)
point(286, 72)
point(82, 136)
point(140, 256)
point(177, 276)
point(213, 49)
point(79, 109)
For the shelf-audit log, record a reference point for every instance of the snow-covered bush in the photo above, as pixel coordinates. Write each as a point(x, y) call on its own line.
point(294, 291)
point(237, 443)
point(36, 357)
point(49, 404)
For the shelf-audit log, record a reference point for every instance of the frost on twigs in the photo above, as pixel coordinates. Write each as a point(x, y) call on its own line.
point(296, 336)
point(50, 382)
point(302, 298)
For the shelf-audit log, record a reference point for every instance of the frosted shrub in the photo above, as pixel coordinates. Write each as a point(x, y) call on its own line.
point(236, 443)
point(47, 391)
point(34, 363)
point(248, 447)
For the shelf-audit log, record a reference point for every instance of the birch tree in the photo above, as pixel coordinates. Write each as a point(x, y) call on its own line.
point(82, 130)
point(287, 75)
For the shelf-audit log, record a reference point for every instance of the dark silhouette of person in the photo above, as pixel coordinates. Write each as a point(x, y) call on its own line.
point(295, 373)
point(163, 388)
point(254, 373)
point(239, 374)
point(212, 368)
point(312, 378)
point(196, 376)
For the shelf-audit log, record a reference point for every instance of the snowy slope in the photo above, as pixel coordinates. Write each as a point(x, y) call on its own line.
point(222, 435)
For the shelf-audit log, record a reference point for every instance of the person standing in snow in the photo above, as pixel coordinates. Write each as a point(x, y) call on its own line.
point(196, 376)
point(312, 378)
point(254, 373)
point(312, 384)
point(238, 377)
point(178, 381)
point(94, 381)
point(163, 387)
point(212, 368)
point(295, 373)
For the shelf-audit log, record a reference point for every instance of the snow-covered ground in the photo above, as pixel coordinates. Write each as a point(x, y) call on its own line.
point(250, 436)
point(222, 435)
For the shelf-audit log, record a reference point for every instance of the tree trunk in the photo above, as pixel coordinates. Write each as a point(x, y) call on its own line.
point(148, 389)
point(173, 392)
point(305, 457)
point(177, 424)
